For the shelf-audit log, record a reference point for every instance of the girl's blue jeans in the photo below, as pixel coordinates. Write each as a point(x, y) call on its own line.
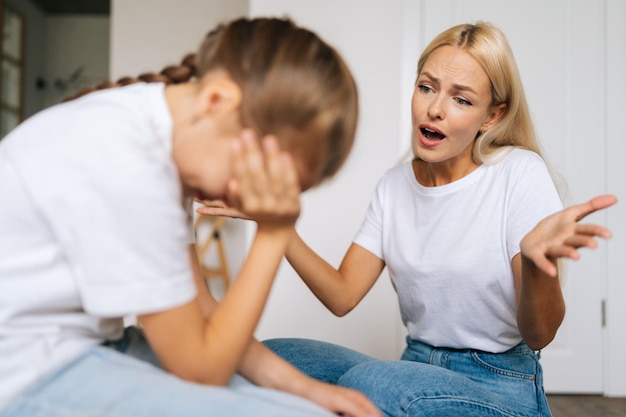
point(429, 381)
point(124, 379)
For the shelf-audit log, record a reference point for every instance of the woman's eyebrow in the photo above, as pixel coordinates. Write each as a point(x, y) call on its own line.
point(457, 87)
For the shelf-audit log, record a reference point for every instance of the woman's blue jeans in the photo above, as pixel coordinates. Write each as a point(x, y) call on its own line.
point(124, 379)
point(429, 381)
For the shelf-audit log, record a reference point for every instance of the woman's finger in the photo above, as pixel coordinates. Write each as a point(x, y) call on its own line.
point(593, 205)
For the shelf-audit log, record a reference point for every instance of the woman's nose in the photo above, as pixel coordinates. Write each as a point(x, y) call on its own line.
point(435, 109)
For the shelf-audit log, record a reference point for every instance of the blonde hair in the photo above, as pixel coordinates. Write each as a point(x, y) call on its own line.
point(489, 47)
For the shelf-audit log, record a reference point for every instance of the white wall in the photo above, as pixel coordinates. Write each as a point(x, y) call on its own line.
point(147, 35)
point(615, 337)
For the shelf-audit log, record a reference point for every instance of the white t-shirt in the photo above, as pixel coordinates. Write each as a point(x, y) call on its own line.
point(448, 249)
point(91, 228)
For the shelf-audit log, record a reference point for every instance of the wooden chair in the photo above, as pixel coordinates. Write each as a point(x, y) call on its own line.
point(202, 247)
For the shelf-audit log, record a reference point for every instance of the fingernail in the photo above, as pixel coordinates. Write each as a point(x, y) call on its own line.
point(236, 145)
point(270, 143)
point(247, 135)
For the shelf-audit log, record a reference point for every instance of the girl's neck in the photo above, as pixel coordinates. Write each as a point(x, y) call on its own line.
point(180, 99)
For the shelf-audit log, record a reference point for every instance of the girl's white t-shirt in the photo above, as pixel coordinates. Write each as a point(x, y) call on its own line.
point(92, 228)
point(448, 249)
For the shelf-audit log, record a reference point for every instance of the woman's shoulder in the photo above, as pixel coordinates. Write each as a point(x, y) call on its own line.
point(510, 157)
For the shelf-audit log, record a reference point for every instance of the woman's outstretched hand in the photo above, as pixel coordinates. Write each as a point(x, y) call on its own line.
point(561, 234)
point(219, 208)
point(265, 185)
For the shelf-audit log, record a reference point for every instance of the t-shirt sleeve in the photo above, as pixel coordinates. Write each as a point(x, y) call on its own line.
point(370, 235)
point(532, 197)
point(125, 229)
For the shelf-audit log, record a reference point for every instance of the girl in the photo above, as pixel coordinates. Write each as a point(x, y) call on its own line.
point(460, 230)
point(79, 251)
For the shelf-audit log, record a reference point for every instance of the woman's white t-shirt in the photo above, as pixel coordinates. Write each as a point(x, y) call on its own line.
point(91, 228)
point(448, 249)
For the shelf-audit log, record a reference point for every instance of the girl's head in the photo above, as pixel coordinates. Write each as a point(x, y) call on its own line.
point(275, 78)
point(488, 46)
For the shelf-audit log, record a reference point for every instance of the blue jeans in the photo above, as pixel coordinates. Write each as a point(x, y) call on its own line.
point(124, 379)
point(429, 381)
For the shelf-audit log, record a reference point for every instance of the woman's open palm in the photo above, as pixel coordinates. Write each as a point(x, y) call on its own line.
point(561, 234)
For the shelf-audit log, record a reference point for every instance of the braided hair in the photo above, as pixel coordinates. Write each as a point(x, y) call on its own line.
point(294, 86)
point(172, 74)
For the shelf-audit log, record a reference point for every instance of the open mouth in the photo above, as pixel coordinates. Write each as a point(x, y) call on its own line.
point(430, 134)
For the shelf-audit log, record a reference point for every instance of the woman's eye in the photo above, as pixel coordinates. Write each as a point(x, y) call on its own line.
point(424, 88)
point(462, 101)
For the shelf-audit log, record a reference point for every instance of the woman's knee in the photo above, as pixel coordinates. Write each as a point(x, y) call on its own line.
point(320, 360)
point(417, 389)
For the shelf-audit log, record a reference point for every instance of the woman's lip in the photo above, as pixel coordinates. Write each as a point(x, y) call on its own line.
point(432, 128)
point(430, 143)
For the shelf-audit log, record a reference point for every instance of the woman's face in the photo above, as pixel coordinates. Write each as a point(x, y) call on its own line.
point(451, 104)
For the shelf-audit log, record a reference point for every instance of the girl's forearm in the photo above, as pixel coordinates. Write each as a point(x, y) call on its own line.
point(263, 367)
point(231, 326)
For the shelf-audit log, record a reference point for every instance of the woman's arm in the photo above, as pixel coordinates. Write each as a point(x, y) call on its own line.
point(540, 304)
point(340, 290)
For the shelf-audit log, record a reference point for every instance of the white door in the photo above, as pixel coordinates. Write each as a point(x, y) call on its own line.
point(559, 48)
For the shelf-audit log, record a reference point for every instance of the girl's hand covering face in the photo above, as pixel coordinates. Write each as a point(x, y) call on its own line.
point(264, 185)
point(561, 235)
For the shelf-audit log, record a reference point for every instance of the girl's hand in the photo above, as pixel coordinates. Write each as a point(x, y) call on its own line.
point(561, 235)
point(342, 401)
point(264, 185)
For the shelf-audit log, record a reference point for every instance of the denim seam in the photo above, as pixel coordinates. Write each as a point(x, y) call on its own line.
point(501, 371)
point(464, 401)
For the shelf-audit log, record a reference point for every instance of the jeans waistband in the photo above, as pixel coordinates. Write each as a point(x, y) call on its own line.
point(520, 348)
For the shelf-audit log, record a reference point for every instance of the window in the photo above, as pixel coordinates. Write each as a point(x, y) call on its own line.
point(11, 69)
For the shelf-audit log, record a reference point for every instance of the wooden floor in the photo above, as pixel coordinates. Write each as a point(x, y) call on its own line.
point(586, 406)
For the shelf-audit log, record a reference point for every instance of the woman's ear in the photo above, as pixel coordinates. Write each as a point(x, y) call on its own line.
point(496, 114)
point(218, 96)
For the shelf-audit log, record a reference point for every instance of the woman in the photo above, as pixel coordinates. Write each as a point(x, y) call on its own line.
point(470, 231)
